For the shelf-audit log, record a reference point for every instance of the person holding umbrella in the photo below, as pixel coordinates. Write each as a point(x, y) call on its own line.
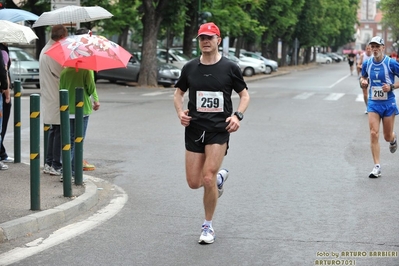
point(70, 79)
point(50, 71)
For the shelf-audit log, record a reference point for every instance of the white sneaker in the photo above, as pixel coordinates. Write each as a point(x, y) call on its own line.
point(224, 173)
point(47, 169)
point(57, 172)
point(376, 172)
point(3, 166)
point(8, 160)
point(207, 235)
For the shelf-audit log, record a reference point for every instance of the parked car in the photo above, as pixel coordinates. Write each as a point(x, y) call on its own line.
point(270, 65)
point(24, 67)
point(334, 57)
point(248, 68)
point(176, 57)
point(342, 58)
point(167, 74)
point(251, 66)
point(322, 58)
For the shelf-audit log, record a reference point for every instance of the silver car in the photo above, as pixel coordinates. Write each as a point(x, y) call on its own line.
point(24, 67)
point(271, 65)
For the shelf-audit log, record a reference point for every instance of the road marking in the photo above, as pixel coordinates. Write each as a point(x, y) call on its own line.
point(304, 96)
point(334, 96)
point(156, 93)
point(68, 232)
point(360, 98)
point(335, 83)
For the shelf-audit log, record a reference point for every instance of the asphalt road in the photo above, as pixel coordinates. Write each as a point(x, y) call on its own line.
point(298, 191)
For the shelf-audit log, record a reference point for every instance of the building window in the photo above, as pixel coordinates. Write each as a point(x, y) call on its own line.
point(379, 27)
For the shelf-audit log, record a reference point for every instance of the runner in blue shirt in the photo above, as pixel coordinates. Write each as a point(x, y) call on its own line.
point(380, 70)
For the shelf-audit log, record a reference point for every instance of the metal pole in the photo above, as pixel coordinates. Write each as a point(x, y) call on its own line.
point(78, 156)
point(17, 121)
point(46, 129)
point(65, 143)
point(35, 151)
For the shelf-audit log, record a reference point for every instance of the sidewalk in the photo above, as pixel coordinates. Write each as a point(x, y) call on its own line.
point(16, 218)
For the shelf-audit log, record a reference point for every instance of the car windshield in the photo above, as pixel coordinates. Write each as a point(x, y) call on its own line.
point(180, 56)
point(20, 55)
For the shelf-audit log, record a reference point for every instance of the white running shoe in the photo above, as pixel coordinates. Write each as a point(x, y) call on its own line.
point(47, 169)
point(393, 145)
point(224, 173)
point(3, 166)
point(57, 172)
point(207, 235)
point(376, 172)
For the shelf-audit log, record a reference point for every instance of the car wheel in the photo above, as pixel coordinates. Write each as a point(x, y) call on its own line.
point(268, 70)
point(249, 72)
point(328, 61)
point(166, 85)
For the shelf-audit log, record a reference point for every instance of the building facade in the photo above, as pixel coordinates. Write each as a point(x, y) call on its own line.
point(370, 17)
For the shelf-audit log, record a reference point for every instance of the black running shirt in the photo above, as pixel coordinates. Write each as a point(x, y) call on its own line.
point(209, 92)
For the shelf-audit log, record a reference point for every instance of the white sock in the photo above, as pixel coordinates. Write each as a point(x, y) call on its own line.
point(208, 223)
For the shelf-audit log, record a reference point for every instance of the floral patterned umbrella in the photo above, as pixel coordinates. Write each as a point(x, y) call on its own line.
point(89, 52)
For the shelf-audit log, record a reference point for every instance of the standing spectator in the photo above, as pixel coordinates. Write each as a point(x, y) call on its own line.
point(6, 104)
point(70, 79)
point(86, 165)
point(49, 73)
point(4, 85)
point(381, 71)
point(209, 119)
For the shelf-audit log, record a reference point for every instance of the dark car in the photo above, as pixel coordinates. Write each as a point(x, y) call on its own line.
point(334, 57)
point(167, 73)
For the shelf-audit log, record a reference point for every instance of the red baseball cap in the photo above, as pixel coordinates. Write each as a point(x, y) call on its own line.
point(209, 29)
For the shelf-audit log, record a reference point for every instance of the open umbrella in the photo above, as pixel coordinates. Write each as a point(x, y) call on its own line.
point(89, 52)
point(16, 15)
point(14, 33)
point(72, 14)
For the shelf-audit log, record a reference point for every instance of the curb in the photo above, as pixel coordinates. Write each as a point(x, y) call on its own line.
point(45, 219)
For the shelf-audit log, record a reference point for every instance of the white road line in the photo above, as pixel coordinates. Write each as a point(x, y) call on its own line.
point(304, 96)
point(335, 83)
point(155, 93)
point(334, 96)
point(68, 232)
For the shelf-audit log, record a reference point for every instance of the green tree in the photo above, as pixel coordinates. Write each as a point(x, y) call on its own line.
point(152, 17)
point(390, 8)
point(280, 18)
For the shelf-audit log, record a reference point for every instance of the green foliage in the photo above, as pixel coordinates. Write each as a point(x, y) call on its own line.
point(390, 8)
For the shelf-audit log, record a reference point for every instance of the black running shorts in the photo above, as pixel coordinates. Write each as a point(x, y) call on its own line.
point(196, 139)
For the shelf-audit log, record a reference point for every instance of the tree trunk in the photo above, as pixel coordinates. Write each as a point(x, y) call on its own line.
point(190, 28)
point(122, 39)
point(151, 20)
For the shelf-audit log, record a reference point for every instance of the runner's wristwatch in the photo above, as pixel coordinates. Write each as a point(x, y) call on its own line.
point(239, 115)
point(392, 87)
